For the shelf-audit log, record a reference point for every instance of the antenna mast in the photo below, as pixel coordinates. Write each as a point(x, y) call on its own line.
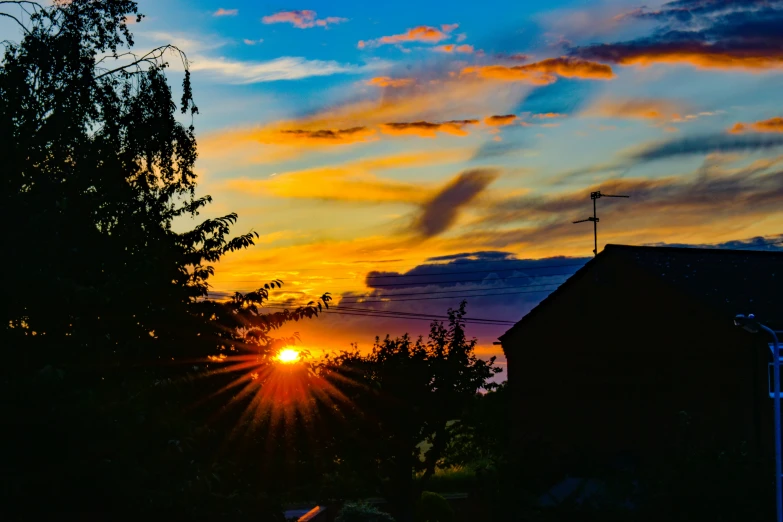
point(594, 196)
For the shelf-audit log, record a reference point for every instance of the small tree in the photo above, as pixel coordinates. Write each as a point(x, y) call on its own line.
point(403, 395)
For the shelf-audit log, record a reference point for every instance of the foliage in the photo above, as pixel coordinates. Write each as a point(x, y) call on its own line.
point(106, 376)
point(452, 479)
point(433, 508)
point(479, 438)
point(401, 394)
point(358, 512)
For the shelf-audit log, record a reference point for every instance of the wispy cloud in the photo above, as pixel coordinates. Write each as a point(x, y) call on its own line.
point(635, 108)
point(284, 68)
point(226, 12)
point(303, 19)
point(428, 129)
point(442, 211)
point(500, 120)
point(543, 72)
point(385, 81)
point(770, 125)
point(421, 33)
point(247, 41)
point(454, 48)
point(705, 144)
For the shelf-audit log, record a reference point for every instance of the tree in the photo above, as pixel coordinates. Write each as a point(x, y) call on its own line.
point(481, 436)
point(401, 395)
point(107, 297)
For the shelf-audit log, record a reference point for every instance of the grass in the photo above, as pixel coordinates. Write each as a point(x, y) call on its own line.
point(457, 479)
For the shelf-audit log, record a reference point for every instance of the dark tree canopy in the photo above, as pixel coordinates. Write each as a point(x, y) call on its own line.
point(405, 393)
point(107, 321)
point(98, 164)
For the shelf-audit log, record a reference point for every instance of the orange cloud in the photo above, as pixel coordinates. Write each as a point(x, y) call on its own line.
point(770, 125)
point(646, 109)
point(354, 181)
point(699, 55)
point(385, 81)
point(303, 19)
point(427, 129)
point(506, 119)
point(225, 12)
point(549, 115)
point(543, 72)
point(451, 48)
point(318, 137)
point(422, 33)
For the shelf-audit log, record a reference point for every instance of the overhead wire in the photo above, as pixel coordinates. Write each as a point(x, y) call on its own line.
point(432, 275)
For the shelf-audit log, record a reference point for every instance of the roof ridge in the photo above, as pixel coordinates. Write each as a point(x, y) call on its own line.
point(692, 249)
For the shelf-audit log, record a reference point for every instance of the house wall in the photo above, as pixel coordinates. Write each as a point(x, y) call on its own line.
point(606, 366)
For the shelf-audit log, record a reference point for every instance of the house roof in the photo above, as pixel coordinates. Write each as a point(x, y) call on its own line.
point(729, 281)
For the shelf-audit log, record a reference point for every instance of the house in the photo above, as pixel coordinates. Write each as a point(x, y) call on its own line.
point(638, 340)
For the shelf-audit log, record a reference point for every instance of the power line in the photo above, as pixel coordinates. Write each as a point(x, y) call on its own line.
point(430, 275)
point(451, 291)
point(457, 297)
point(396, 312)
point(391, 296)
point(422, 317)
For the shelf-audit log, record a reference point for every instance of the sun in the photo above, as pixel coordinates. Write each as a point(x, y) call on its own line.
point(288, 356)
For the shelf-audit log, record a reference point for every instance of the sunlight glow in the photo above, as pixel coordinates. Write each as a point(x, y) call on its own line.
point(288, 356)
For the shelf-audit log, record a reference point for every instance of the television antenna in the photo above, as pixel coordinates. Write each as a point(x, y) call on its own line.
point(594, 196)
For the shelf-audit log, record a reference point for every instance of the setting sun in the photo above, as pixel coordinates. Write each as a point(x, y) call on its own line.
point(288, 356)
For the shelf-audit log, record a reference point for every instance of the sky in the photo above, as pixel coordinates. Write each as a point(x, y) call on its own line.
point(366, 138)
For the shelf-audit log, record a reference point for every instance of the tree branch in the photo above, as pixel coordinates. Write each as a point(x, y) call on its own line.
point(150, 57)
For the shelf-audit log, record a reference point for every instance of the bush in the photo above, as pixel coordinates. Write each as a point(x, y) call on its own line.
point(354, 512)
point(433, 508)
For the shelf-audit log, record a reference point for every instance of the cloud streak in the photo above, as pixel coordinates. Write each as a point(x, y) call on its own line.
point(442, 211)
point(770, 125)
point(226, 12)
point(385, 81)
point(634, 108)
point(302, 19)
point(284, 68)
point(426, 129)
point(719, 34)
point(543, 72)
point(500, 120)
point(705, 144)
point(421, 33)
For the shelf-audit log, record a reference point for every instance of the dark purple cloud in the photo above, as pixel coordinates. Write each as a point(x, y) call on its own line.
point(706, 144)
point(723, 34)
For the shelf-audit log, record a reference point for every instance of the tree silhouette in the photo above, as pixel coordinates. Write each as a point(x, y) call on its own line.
point(106, 320)
point(401, 395)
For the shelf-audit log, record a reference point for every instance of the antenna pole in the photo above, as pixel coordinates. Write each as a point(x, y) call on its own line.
point(594, 196)
point(595, 227)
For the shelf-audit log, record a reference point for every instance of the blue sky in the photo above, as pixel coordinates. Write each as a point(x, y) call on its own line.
point(359, 135)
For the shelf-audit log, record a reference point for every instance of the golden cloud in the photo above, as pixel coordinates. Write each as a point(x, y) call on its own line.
point(648, 109)
point(549, 115)
point(354, 181)
point(543, 72)
point(500, 120)
point(421, 33)
point(427, 129)
point(385, 81)
point(317, 137)
point(770, 125)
